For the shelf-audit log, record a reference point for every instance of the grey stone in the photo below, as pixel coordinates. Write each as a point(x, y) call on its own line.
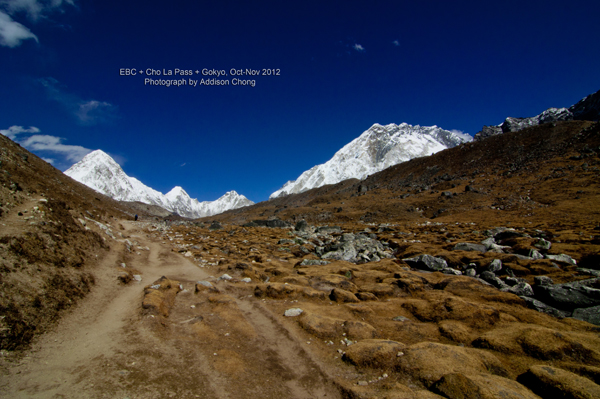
point(293, 312)
point(493, 280)
point(495, 266)
point(542, 307)
point(215, 226)
point(595, 273)
point(205, 283)
point(272, 223)
point(489, 242)
point(427, 262)
point(467, 246)
point(591, 315)
point(521, 289)
point(471, 272)
point(329, 229)
point(562, 258)
point(542, 280)
point(512, 281)
point(302, 225)
point(543, 244)
point(487, 131)
point(452, 271)
point(570, 296)
point(509, 233)
point(535, 254)
point(314, 262)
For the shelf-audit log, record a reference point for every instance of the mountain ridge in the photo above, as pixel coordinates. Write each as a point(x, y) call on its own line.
point(100, 172)
point(588, 108)
point(377, 148)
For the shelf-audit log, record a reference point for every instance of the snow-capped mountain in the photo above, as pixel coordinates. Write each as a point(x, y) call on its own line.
point(100, 172)
point(376, 149)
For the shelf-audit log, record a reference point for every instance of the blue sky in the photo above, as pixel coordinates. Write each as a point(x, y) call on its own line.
point(343, 66)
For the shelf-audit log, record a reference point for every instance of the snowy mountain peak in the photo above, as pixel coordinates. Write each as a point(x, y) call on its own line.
point(376, 149)
point(176, 192)
point(100, 172)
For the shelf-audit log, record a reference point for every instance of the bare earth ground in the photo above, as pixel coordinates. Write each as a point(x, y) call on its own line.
point(104, 348)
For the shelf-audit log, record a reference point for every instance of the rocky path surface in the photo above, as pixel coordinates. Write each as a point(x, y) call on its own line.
point(211, 345)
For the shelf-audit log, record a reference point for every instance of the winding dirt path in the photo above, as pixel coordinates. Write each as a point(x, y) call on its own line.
point(212, 345)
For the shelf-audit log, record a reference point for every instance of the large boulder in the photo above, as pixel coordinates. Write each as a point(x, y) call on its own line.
point(570, 296)
point(427, 262)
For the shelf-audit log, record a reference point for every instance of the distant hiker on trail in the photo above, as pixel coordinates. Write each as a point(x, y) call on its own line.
point(135, 218)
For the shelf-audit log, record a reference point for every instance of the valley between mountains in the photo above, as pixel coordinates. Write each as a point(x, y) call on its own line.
point(470, 273)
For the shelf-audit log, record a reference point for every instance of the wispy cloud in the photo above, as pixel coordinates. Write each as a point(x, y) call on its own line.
point(35, 9)
point(53, 144)
point(358, 48)
point(396, 43)
point(42, 144)
point(13, 131)
point(87, 112)
point(12, 33)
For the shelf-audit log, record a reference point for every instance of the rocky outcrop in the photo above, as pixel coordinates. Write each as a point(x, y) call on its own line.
point(586, 109)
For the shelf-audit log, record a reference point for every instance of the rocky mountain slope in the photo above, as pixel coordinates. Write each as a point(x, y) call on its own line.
point(99, 171)
point(587, 108)
point(377, 148)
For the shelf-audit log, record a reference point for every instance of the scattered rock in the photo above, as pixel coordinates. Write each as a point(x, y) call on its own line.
point(427, 262)
point(520, 289)
point(591, 315)
point(562, 258)
point(542, 307)
point(293, 312)
point(467, 246)
point(570, 296)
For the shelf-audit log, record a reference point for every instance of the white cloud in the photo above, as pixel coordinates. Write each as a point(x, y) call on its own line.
point(13, 33)
point(35, 9)
point(88, 112)
point(13, 131)
point(39, 142)
point(462, 134)
point(396, 43)
point(52, 145)
point(358, 47)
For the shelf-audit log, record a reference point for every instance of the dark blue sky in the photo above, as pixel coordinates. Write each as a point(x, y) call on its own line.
point(343, 67)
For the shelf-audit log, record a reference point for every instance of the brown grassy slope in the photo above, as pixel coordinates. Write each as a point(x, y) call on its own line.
point(46, 254)
point(547, 173)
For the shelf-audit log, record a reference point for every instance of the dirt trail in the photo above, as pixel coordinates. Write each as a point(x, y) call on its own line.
point(210, 346)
